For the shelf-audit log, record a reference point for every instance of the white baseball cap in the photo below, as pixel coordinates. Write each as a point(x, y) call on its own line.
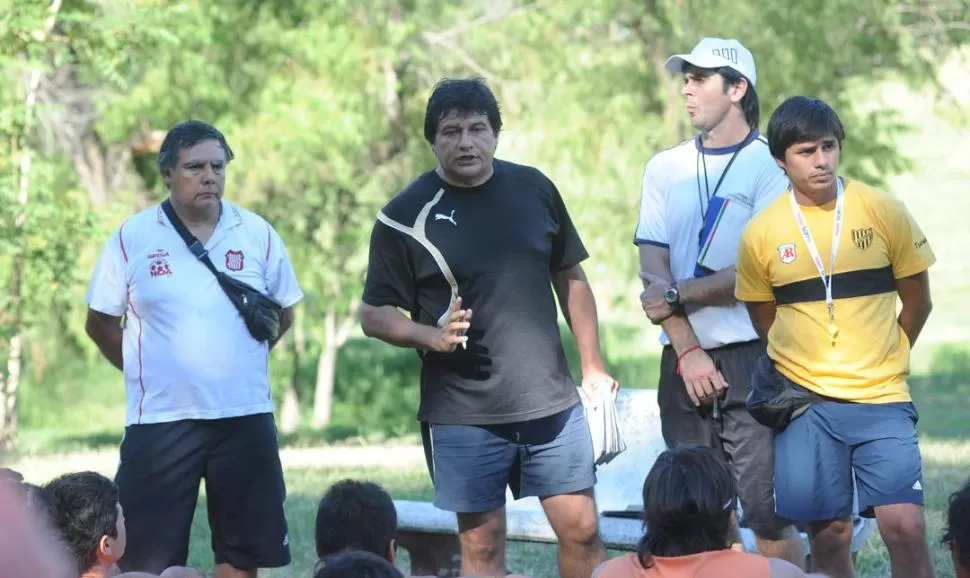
point(715, 53)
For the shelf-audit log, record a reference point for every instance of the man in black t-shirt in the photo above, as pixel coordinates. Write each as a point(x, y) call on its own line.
point(499, 407)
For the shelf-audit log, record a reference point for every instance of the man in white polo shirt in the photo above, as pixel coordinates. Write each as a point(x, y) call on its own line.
point(196, 371)
point(696, 197)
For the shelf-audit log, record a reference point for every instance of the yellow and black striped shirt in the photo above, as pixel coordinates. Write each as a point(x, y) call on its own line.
point(880, 242)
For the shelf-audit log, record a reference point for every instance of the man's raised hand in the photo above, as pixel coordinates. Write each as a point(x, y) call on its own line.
point(452, 332)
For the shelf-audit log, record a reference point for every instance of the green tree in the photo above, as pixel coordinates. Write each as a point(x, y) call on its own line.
point(46, 220)
point(588, 82)
point(337, 136)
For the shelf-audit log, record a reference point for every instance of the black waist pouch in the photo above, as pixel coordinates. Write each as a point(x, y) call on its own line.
point(774, 401)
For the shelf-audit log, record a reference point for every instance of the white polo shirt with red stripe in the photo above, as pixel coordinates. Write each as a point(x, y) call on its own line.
point(187, 352)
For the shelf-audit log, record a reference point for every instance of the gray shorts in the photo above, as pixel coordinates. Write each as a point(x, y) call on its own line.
point(744, 443)
point(471, 465)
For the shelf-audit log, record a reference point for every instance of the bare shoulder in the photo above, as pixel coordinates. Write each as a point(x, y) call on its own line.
point(181, 572)
point(785, 569)
point(599, 569)
point(171, 572)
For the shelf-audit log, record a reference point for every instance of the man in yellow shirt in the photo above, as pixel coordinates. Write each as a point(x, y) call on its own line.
point(819, 270)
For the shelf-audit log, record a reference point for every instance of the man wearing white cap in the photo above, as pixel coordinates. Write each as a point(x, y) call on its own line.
point(696, 198)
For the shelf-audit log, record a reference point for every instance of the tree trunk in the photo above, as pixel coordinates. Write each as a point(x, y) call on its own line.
point(290, 411)
point(8, 435)
point(326, 372)
point(335, 334)
point(290, 416)
point(11, 382)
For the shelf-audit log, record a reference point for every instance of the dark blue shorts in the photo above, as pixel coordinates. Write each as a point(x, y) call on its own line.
point(473, 465)
point(833, 444)
point(162, 465)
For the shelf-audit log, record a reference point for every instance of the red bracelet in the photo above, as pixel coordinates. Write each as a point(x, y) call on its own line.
point(683, 353)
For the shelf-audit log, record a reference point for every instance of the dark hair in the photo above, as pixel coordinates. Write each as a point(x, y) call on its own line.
point(39, 502)
point(84, 509)
point(355, 515)
point(750, 105)
point(462, 95)
point(802, 119)
point(185, 136)
point(356, 564)
point(957, 532)
point(688, 498)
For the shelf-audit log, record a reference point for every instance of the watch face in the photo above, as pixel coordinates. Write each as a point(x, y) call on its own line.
point(671, 296)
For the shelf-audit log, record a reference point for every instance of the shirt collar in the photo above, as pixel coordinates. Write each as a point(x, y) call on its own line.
point(229, 218)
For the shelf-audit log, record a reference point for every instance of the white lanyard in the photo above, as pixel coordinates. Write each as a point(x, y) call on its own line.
point(813, 250)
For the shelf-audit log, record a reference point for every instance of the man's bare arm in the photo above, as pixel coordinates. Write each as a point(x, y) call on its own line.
point(700, 374)
point(714, 289)
point(106, 332)
point(579, 309)
point(914, 292)
point(388, 324)
point(762, 314)
point(656, 261)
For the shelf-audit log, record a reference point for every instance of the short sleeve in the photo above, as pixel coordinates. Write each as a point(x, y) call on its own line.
point(390, 274)
point(909, 250)
point(771, 184)
point(651, 227)
point(108, 288)
point(281, 281)
point(751, 277)
point(567, 246)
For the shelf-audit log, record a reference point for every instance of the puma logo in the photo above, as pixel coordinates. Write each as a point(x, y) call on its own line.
point(443, 217)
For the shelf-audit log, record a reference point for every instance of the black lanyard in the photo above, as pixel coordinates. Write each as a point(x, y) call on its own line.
point(702, 158)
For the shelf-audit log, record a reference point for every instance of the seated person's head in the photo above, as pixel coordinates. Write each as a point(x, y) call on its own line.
point(33, 496)
point(86, 512)
point(29, 545)
point(356, 515)
point(957, 535)
point(356, 564)
point(8, 476)
point(689, 502)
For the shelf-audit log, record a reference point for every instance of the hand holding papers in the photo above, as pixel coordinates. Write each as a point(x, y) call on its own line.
point(604, 427)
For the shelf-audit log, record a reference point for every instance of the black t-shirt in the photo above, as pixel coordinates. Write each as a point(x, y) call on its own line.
point(502, 241)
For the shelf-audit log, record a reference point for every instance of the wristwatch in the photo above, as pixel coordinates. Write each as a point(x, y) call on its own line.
point(672, 296)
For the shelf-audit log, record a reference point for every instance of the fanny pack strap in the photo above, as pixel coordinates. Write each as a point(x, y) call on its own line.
point(193, 243)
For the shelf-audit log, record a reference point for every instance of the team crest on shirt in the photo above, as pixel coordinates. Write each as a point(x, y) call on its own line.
point(786, 252)
point(862, 238)
point(158, 264)
point(235, 260)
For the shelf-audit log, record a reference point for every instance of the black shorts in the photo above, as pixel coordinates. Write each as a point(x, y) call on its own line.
point(161, 467)
point(744, 443)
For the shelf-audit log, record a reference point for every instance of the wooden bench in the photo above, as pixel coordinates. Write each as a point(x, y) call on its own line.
point(430, 534)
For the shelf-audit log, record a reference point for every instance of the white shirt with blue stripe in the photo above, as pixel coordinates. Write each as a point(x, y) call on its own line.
point(674, 200)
